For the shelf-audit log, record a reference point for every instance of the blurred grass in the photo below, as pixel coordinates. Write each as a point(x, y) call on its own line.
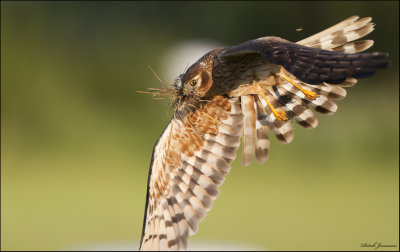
point(76, 138)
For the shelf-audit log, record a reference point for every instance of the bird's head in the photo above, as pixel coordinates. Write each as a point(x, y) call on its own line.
point(197, 79)
point(194, 84)
point(189, 89)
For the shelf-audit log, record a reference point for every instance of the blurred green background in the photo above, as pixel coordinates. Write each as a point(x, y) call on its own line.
point(76, 137)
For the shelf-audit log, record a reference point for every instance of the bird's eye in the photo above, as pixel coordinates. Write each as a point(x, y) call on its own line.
point(193, 82)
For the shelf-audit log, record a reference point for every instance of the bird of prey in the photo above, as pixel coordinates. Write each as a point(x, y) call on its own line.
point(243, 92)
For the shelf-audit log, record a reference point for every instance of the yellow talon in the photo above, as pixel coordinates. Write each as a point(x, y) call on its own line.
point(257, 89)
point(280, 115)
point(310, 94)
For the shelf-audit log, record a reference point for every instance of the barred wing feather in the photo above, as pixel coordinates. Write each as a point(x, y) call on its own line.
point(286, 97)
point(189, 163)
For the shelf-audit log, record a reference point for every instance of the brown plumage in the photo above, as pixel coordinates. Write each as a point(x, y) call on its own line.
point(245, 90)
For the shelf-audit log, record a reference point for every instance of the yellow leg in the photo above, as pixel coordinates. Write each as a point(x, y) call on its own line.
point(257, 89)
point(310, 94)
point(281, 115)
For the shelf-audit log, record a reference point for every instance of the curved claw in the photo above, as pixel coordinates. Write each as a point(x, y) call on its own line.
point(310, 94)
point(281, 115)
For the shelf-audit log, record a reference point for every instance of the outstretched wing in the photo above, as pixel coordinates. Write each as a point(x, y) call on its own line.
point(310, 65)
point(189, 162)
point(323, 63)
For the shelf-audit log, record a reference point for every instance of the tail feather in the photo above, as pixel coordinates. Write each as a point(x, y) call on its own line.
point(349, 82)
point(249, 129)
point(302, 114)
point(354, 47)
point(339, 34)
point(341, 37)
point(340, 26)
point(262, 132)
point(282, 130)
